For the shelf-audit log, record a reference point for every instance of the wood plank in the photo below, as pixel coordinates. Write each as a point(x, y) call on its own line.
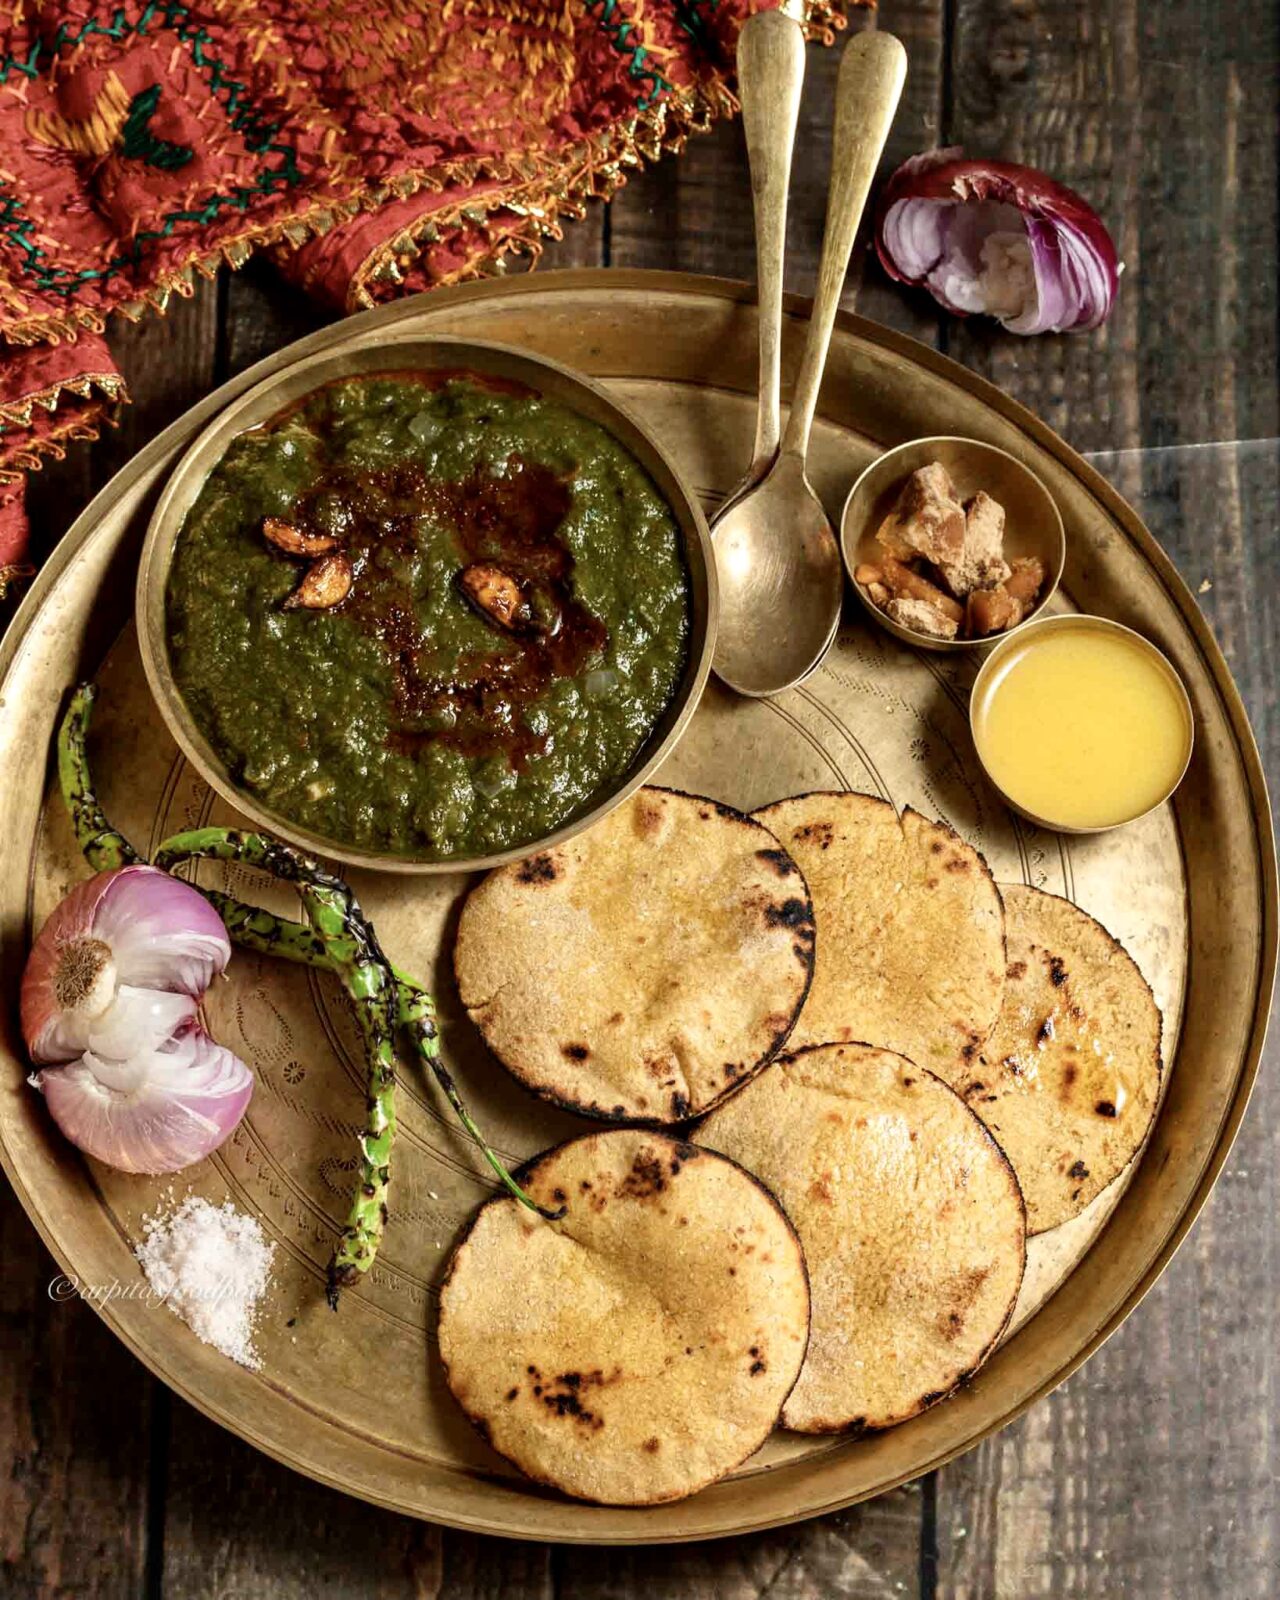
point(1154, 1471)
point(238, 1523)
point(75, 1428)
point(77, 1407)
point(870, 1552)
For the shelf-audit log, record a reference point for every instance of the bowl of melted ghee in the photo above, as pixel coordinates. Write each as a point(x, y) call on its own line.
point(1081, 723)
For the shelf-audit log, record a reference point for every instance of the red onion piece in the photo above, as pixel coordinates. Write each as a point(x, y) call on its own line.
point(995, 238)
point(119, 965)
point(159, 1111)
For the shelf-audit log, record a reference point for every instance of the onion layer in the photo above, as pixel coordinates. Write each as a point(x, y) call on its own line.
point(159, 1111)
point(109, 1000)
point(109, 965)
point(995, 238)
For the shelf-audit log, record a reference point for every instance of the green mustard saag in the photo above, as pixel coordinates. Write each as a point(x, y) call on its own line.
point(516, 620)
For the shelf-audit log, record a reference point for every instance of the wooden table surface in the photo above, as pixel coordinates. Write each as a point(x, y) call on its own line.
point(1153, 1472)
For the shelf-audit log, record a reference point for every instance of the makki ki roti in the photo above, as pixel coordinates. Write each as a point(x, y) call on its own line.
point(910, 950)
point(641, 1347)
point(645, 968)
point(911, 1220)
point(1069, 1080)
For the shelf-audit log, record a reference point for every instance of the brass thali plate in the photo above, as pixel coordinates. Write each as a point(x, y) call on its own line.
point(356, 1399)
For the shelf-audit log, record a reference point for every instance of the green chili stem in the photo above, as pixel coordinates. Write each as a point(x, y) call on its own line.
point(416, 1012)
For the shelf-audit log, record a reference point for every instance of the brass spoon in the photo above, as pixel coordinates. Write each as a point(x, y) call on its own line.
point(781, 579)
point(770, 78)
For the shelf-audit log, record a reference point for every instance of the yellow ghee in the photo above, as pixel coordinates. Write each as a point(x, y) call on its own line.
point(1082, 725)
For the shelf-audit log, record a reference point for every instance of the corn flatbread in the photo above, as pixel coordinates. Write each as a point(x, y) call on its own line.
point(642, 1347)
point(910, 929)
point(911, 1221)
point(1069, 1079)
point(644, 968)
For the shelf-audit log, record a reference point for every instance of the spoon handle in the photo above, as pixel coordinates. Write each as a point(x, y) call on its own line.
point(872, 73)
point(770, 77)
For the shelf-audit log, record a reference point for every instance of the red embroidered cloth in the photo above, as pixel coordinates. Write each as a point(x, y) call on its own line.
point(374, 148)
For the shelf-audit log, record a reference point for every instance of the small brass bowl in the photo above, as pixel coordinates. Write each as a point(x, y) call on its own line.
point(1032, 527)
point(988, 679)
point(289, 386)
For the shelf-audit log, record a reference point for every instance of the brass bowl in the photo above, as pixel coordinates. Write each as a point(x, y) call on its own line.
point(988, 678)
point(1033, 523)
point(274, 394)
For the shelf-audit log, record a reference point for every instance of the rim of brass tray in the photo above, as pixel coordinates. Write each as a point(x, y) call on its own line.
point(729, 290)
point(421, 352)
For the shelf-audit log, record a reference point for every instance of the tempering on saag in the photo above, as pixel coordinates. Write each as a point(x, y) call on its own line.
point(404, 719)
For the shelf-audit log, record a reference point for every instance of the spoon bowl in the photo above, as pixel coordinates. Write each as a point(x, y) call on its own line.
point(781, 583)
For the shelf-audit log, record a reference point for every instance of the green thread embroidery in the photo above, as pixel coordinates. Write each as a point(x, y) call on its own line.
point(258, 131)
point(637, 67)
point(138, 143)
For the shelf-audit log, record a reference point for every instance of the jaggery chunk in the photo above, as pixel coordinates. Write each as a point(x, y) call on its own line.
point(992, 611)
point(1024, 582)
point(921, 617)
point(904, 584)
point(928, 519)
point(981, 564)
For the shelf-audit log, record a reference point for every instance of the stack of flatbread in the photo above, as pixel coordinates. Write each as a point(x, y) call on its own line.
point(901, 1069)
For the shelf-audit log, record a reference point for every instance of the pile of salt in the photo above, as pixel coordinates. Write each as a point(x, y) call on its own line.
point(211, 1265)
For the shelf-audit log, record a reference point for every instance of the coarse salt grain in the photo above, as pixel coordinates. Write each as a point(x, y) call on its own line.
point(211, 1265)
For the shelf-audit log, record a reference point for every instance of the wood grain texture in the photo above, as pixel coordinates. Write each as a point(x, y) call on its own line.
point(75, 1434)
point(239, 1524)
point(694, 212)
point(1154, 1472)
point(870, 1552)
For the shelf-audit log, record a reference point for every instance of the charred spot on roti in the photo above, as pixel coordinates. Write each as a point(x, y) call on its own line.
point(652, 1446)
point(1016, 970)
point(679, 1107)
point(1077, 1170)
point(779, 861)
point(513, 1392)
point(1057, 971)
point(818, 833)
point(1105, 1108)
point(538, 869)
point(649, 813)
point(575, 1052)
point(646, 1177)
point(794, 914)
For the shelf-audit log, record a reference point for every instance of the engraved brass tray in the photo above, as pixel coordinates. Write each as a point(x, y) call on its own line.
point(356, 1399)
